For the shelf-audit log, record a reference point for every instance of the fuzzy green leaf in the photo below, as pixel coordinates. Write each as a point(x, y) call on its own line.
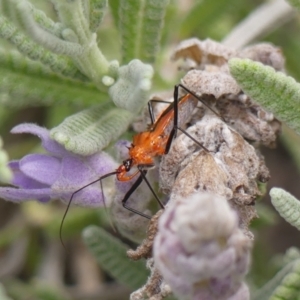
point(151, 27)
point(130, 91)
point(27, 47)
point(91, 61)
point(114, 6)
point(290, 285)
point(26, 83)
point(43, 37)
point(97, 11)
point(141, 23)
point(268, 289)
point(130, 18)
point(45, 22)
point(111, 255)
point(91, 130)
point(287, 206)
point(278, 93)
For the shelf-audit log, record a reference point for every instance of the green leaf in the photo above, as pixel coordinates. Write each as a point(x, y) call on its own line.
point(27, 47)
point(97, 11)
point(151, 27)
point(24, 83)
point(114, 8)
point(268, 289)
point(69, 47)
point(278, 93)
point(91, 130)
point(40, 18)
point(141, 23)
point(111, 255)
point(287, 206)
point(130, 18)
point(289, 288)
point(131, 89)
point(91, 60)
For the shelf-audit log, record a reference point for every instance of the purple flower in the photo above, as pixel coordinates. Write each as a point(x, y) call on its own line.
point(200, 250)
point(58, 173)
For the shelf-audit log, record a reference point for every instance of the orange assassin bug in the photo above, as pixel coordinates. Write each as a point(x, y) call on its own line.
point(156, 141)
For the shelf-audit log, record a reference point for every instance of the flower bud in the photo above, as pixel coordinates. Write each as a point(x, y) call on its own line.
point(200, 250)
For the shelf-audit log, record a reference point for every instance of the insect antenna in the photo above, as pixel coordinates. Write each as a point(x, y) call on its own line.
point(71, 199)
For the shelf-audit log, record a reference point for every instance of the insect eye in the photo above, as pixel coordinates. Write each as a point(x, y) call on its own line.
point(127, 164)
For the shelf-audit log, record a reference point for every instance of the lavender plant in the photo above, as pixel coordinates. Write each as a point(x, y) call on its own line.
point(61, 57)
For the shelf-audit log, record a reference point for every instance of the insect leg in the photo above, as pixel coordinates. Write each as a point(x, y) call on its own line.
point(197, 97)
point(129, 193)
point(173, 132)
point(193, 139)
point(175, 128)
point(150, 187)
point(150, 108)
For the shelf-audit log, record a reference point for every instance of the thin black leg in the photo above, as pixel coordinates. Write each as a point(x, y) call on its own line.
point(199, 99)
point(150, 187)
point(129, 193)
point(193, 139)
point(173, 132)
point(170, 139)
point(150, 108)
point(134, 187)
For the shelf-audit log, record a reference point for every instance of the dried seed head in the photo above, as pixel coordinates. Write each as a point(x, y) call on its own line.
point(231, 168)
point(209, 52)
point(211, 77)
point(210, 83)
point(204, 52)
point(249, 119)
point(265, 53)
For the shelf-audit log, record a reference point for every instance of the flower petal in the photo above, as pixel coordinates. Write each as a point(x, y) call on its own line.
point(40, 167)
point(21, 180)
point(48, 144)
point(102, 163)
point(91, 196)
point(77, 171)
point(19, 195)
